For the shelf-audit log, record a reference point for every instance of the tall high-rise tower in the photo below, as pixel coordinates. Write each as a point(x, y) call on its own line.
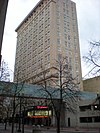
point(48, 30)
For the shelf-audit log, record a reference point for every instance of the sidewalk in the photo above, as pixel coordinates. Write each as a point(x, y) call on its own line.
point(28, 129)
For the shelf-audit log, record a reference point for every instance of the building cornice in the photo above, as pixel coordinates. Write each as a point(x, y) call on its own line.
point(30, 13)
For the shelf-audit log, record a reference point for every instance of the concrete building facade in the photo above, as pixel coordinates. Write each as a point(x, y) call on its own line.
point(92, 84)
point(36, 103)
point(87, 113)
point(3, 10)
point(48, 31)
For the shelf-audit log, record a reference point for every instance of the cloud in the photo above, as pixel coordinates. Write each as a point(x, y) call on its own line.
point(16, 12)
point(88, 23)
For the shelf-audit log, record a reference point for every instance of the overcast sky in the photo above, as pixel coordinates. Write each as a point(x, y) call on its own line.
point(88, 13)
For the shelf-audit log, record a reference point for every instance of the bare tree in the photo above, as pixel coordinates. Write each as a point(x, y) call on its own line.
point(4, 77)
point(13, 90)
point(5, 109)
point(16, 101)
point(92, 59)
point(4, 72)
point(11, 105)
point(66, 89)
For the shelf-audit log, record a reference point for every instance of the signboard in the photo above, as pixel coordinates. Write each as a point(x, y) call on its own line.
point(39, 111)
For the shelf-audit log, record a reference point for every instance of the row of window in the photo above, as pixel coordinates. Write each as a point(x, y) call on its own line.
point(89, 119)
point(38, 10)
point(90, 107)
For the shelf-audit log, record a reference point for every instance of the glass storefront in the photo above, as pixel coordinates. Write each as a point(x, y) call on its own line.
point(39, 115)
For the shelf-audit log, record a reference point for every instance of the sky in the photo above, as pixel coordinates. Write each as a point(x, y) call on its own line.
point(88, 14)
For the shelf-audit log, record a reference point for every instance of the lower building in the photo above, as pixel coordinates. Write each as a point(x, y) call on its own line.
point(87, 113)
point(35, 108)
point(92, 84)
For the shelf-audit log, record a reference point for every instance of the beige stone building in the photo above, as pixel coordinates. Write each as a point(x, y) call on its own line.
point(92, 84)
point(48, 31)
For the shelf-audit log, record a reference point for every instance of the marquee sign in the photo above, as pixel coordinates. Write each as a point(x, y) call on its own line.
point(42, 107)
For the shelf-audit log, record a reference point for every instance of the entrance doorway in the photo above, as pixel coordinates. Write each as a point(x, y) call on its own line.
point(39, 115)
point(68, 122)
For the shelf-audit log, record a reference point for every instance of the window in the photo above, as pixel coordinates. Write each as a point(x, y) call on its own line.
point(97, 119)
point(85, 108)
point(68, 37)
point(66, 43)
point(58, 41)
point(48, 41)
point(85, 119)
point(69, 44)
point(58, 32)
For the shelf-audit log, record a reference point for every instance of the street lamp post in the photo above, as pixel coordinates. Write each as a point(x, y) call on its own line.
point(19, 128)
point(98, 97)
point(23, 120)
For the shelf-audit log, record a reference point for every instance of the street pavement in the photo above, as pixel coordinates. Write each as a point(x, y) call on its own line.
point(28, 129)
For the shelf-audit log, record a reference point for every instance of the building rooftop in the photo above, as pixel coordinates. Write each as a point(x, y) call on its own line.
point(36, 91)
point(30, 13)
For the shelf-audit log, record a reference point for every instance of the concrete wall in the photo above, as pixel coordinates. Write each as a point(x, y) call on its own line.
point(3, 9)
point(92, 84)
